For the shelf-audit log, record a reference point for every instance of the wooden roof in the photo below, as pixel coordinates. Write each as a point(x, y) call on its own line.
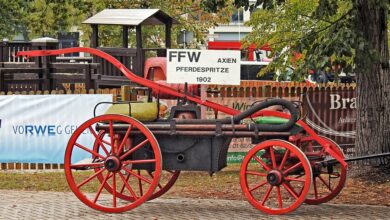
point(131, 17)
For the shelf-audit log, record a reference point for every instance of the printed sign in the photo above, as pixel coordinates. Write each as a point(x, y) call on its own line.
point(203, 67)
point(36, 129)
point(332, 113)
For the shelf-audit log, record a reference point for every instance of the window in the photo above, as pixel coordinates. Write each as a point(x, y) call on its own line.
point(238, 16)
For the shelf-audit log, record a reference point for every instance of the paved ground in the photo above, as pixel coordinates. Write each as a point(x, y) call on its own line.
point(54, 205)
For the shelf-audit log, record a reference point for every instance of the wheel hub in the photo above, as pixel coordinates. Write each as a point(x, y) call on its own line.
point(275, 178)
point(112, 164)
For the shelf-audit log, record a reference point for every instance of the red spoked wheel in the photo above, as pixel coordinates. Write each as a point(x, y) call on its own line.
point(167, 178)
point(268, 182)
point(327, 181)
point(122, 152)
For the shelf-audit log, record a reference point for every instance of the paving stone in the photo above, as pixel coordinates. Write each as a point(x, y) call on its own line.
point(56, 205)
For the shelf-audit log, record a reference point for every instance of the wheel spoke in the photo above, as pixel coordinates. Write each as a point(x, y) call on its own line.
point(124, 140)
point(114, 190)
point(134, 149)
point(128, 186)
point(101, 187)
point(295, 179)
point(127, 162)
point(258, 186)
point(123, 185)
point(112, 137)
point(99, 140)
point(279, 197)
point(286, 154)
point(271, 151)
point(90, 151)
point(256, 173)
point(324, 182)
point(92, 165)
point(270, 187)
point(331, 175)
point(315, 188)
point(136, 175)
point(171, 171)
point(140, 183)
point(261, 163)
point(90, 178)
point(290, 190)
point(151, 175)
point(292, 168)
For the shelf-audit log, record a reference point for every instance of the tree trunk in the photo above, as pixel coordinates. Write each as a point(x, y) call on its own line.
point(373, 82)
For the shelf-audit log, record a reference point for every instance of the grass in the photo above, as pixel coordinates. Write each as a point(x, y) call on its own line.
point(221, 185)
point(56, 181)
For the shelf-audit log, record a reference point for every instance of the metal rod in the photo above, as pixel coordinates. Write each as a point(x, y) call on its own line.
point(366, 157)
point(203, 127)
point(241, 127)
point(213, 133)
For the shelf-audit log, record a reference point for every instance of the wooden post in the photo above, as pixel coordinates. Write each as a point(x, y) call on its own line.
point(2, 84)
point(95, 36)
point(44, 62)
point(125, 36)
point(168, 34)
point(140, 53)
point(4, 54)
point(2, 50)
point(88, 76)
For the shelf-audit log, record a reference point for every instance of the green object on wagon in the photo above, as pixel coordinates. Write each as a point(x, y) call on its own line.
point(142, 111)
point(270, 120)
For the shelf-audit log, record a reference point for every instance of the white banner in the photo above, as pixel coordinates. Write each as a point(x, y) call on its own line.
point(204, 67)
point(36, 129)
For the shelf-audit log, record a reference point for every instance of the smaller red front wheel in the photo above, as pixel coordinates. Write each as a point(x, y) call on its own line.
point(267, 177)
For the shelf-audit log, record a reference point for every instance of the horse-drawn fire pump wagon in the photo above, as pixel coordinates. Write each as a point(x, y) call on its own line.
point(137, 156)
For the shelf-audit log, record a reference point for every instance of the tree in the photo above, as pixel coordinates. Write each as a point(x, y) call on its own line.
point(11, 14)
point(38, 18)
point(189, 13)
point(373, 80)
point(350, 35)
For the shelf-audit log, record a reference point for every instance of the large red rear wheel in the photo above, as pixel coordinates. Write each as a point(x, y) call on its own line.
point(167, 178)
point(115, 163)
point(268, 182)
point(327, 181)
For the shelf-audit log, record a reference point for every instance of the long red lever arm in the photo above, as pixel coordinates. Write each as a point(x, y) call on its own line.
point(165, 89)
point(134, 78)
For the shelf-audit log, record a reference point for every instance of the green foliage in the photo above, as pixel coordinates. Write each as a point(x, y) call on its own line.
point(48, 17)
point(306, 35)
point(39, 18)
point(325, 33)
point(11, 13)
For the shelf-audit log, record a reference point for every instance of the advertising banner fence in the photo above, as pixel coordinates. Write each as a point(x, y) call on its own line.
point(36, 128)
point(332, 113)
point(329, 109)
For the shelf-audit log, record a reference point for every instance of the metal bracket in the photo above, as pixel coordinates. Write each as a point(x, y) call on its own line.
point(218, 128)
point(172, 124)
